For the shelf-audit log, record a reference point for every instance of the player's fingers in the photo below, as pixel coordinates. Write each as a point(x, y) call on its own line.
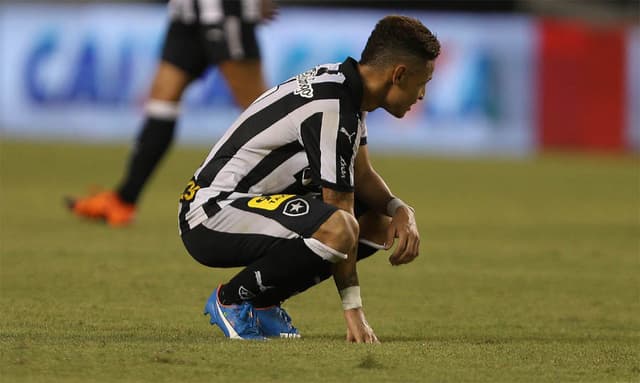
point(399, 251)
point(412, 248)
point(371, 337)
point(414, 255)
point(416, 250)
point(357, 336)
point(366, 338)
point(412, 252)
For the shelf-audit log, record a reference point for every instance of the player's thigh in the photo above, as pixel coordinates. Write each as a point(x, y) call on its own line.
point(247, 228)
point(232, 46)
point(217, 248)
point(281, 215)
point(245, 79)
point(169, 82)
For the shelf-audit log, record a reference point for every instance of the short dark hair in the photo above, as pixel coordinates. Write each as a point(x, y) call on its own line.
point(399, 36)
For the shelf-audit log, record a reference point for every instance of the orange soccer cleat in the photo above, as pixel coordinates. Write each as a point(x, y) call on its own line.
point(106, 206)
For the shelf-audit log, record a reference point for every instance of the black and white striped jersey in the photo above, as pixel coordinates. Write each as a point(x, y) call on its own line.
point(295, 138)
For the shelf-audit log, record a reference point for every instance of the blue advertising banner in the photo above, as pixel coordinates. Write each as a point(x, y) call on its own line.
point(83, 72)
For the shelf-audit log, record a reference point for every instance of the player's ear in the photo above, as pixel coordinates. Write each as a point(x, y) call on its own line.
point(398, 74)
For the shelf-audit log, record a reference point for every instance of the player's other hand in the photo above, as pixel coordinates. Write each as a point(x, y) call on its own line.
point(268, 10)
point(403, 226)
point(358, 330)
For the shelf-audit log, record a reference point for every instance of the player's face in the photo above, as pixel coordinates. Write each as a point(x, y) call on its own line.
point(409, 84)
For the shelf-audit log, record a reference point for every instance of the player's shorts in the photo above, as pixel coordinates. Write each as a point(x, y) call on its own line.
point(244, 230)
point(198, 39)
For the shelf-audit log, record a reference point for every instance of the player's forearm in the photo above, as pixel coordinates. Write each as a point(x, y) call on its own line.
point(373, 191)
point(345, 273)
point(346, 278)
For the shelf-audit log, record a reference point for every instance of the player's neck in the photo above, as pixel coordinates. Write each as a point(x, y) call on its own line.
point(375, 86)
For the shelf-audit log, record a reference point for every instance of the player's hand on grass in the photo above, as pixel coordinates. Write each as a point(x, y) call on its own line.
point(358, 330)
point(403, 226)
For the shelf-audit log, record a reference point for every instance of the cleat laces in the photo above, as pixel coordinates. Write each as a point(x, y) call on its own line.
point(248, 324)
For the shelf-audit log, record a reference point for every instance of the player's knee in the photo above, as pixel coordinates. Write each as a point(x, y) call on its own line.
point(162, 110)
point(349, 230)
point(340, 231)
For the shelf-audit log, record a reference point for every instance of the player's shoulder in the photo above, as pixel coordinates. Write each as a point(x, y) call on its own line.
point(320, 82)
point(329, 73)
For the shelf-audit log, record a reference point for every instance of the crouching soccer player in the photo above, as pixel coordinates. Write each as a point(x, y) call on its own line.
point(290, 194)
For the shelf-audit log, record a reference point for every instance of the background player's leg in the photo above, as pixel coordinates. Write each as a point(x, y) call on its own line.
point(245, 79)
point(118, 208)
point(157, 131)
point(182, 61)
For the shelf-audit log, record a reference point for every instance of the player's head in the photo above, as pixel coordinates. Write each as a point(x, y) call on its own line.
point(404, 49)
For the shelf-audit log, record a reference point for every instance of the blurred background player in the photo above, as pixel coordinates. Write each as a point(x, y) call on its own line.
point(201, 34)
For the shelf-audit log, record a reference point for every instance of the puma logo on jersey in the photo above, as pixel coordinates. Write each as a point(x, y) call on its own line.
point(349, 136)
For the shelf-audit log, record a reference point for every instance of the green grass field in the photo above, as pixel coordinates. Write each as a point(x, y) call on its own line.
point(529, 272)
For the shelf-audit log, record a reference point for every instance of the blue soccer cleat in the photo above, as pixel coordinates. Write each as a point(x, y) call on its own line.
point(235, 321)
point(275, 322)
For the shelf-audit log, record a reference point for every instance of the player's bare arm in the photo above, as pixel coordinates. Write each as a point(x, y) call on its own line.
point(345, 275)
point(373, 191)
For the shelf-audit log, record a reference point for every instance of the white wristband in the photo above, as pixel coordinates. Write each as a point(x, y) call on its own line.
point(394, 204)
point(351, 298)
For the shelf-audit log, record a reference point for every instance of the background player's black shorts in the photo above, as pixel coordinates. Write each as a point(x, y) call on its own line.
point(195, 47)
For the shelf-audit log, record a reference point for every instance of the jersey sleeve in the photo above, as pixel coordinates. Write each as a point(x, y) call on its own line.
point(331, 140)
point(363, 129)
